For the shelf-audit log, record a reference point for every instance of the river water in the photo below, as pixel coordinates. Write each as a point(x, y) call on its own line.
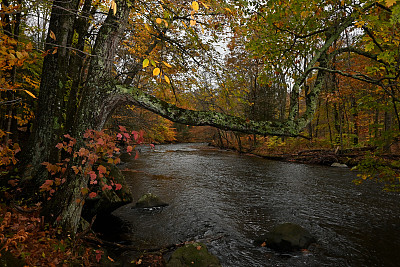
point(227, 200)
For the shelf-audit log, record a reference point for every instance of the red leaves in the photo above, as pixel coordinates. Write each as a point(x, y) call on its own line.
point(137, 154)
point(100, 141)
point(99, 253)
point(97, 146)
point(47, 185)
point(118, 186)
point(59, 145)
point(102, 169)
point(92, 194)
point(92, 175)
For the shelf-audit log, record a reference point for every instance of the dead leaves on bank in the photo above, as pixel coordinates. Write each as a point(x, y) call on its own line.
point(27, 237)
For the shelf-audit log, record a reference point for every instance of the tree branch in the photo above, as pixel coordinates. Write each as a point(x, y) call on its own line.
point(202, 118)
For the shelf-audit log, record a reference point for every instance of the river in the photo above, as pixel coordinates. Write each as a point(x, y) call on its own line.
point(227, 200)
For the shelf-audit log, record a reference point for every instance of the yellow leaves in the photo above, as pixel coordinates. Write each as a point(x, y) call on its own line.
point(156, 71)
point(206, 6)
point(195, 6)
point(147, 27)
point(304, 14)
point(19, 55)
point(29, 93)
point(145, 63)
point(114, 7)
point(359, 24)
point(390, 3)
point(192, 22)
point(167, 79)
point(52, 35)
point(166, 64)
point(184, 24)
point(158, 20)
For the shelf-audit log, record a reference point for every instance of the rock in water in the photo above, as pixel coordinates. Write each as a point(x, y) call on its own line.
point(195, 254)
point(286, 237)
point(340, 165)
point(150, 201)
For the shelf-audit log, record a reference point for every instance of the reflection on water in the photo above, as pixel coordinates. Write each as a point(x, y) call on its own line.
point(214, 193)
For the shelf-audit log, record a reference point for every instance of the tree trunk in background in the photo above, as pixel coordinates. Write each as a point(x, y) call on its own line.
point(356, 130)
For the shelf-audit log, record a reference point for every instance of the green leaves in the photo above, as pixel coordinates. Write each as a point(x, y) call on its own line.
point(145, 63)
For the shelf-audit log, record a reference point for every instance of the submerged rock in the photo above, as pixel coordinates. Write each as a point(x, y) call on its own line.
point(107, 201)
point(150, 201)
point(195, 254)
point(286, 237)
point(125, 157)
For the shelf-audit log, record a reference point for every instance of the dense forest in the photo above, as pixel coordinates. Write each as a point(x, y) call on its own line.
point(84, 80)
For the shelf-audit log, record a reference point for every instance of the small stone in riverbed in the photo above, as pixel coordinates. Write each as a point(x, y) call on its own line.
point(286, 237)
point(150, 201)
point(195, 254)
point(340, 165)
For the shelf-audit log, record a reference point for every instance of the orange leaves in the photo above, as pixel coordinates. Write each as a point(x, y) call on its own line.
point(156, 71)
point(8, 152)
point(25, 236)
point(29, 93)
point(52, 35)
point(114, 7)
point(166, 64)
point(390, 3)
point(167, 79)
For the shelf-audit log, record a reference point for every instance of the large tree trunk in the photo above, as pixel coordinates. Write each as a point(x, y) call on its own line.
point(98, 101)
point(49, 122)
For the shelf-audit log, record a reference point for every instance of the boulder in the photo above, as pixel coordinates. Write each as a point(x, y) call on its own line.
point(150, 201)
point(107, 201)
point(195, 254)
point(286, 237)
point(340, 165)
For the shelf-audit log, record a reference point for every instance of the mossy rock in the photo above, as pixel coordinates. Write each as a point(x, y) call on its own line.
point(150, 200)
point(286, 237)
point(107, 201)
point(195, 254)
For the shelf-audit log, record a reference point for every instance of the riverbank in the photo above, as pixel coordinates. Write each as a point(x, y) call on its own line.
point(320, 156)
